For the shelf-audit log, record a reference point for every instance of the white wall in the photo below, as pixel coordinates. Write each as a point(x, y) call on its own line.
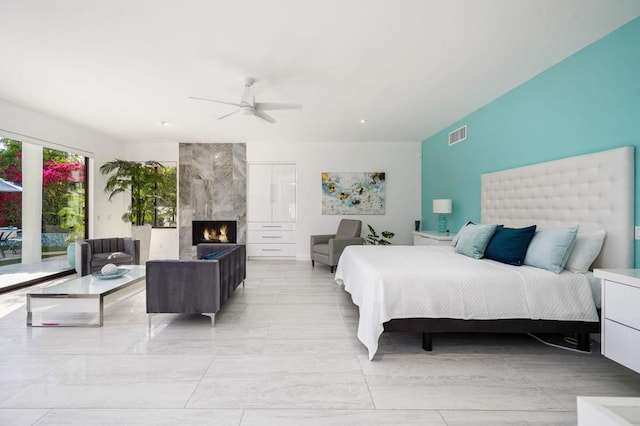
point(23, 124)
point(400, 161)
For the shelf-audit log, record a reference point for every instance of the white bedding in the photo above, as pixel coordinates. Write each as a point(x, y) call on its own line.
point(435, 282)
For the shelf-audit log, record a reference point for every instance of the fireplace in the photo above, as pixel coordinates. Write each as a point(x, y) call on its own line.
point(213, 231)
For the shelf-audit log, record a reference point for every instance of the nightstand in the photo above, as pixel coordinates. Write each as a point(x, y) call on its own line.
point(431, 238)
point(620, 316)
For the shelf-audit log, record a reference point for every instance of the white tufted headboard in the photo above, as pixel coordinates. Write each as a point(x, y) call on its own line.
point(594, 190)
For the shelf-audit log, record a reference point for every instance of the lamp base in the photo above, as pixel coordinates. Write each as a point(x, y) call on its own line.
point(442, 223)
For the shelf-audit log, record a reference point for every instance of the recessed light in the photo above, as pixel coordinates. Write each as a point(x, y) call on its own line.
point(363, 121)
point(164, 123)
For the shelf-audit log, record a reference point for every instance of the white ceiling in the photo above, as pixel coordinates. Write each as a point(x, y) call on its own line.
point(410, 67)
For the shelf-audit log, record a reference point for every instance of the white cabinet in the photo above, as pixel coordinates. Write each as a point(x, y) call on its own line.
point(271, 210)
point(620, 315)
point(423, 238)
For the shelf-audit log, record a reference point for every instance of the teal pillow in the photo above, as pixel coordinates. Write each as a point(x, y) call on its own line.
point(550, 248)
point(509, 245)
point(473, 240)
point(213, 255)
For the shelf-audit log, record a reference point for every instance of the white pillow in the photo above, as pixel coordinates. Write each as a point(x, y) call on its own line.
point(587, 248)
point(550, 248)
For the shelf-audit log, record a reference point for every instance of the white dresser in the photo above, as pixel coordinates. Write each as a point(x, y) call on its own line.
point(271, 210)
point(431, 238)
point(621, 315)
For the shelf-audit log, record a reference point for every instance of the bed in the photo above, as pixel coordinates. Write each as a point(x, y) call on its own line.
point(430, 289)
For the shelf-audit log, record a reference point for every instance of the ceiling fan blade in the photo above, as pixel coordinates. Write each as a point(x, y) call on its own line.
point(231, 113)
point(220, 102)
point(265, 116)
point(275, 105)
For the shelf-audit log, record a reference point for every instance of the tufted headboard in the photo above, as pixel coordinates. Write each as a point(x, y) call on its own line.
point(594, 190)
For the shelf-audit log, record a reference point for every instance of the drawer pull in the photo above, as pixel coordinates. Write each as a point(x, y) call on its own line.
point(272, 237)
point(272, 226)
point(271, 249)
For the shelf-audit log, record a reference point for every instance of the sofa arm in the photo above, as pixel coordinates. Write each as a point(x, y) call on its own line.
point(83, 258)
point(183, 286)
point(132, 247)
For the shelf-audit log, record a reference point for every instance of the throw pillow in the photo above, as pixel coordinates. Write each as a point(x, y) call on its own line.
point(213, 255)
point(587, 248)
point(509, 245)
point(454, 242)
point(550, 248)
point(473, 240)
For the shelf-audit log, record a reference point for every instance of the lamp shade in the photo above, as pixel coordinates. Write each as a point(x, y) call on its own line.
point(442, 206)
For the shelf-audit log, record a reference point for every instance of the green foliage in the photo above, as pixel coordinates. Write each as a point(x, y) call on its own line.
point(374, 239)
point(142, 180)
point(58, 184)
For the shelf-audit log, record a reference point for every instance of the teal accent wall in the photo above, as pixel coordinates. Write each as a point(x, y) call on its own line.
point(589, 102)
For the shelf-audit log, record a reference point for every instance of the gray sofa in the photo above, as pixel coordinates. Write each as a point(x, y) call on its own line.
point(93, 254)
point(197, 286)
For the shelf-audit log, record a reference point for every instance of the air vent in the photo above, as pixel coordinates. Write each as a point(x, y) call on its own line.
point(458, 135)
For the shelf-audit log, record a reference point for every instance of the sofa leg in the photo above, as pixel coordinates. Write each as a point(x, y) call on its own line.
point(313, 263)
point(149, 322)
point(332, 268)
point(213, 319)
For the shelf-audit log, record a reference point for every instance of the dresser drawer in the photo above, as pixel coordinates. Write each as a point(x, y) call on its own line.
point(271, 250)
point(271, 226)
point(621, 344)
point(621, 303)
point(271, 237)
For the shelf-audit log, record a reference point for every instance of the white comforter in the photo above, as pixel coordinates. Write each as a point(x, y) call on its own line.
point(435, 282)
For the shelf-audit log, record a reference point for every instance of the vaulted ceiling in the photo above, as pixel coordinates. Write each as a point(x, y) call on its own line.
point(408, 67)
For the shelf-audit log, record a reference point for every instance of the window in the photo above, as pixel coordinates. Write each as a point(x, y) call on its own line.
point(164, 215)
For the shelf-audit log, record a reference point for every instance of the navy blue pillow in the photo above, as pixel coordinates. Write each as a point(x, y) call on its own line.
point(213, 255)
point(509, 245)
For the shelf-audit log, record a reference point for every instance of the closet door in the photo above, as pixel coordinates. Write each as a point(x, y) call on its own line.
point(283, 192)
point(259, 205)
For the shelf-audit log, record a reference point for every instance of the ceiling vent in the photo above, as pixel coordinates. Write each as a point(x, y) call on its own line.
point(458, 135)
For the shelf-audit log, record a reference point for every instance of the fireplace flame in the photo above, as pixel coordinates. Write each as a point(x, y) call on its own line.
point(215, 234)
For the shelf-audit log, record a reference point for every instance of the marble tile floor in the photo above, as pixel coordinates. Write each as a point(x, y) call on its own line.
point(284, 352)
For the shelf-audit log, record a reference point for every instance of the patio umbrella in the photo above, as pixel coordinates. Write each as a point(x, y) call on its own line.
point(6, 186)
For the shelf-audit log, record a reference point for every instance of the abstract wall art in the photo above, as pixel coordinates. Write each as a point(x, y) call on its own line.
point(353, 193)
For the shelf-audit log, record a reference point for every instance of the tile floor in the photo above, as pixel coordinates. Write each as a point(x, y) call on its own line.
point(283, 352)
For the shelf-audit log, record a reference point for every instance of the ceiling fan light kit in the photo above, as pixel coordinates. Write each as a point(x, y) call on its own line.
point(249, 106)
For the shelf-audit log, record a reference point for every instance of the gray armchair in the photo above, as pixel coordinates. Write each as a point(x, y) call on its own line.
point(93, 254)
point(328, 248)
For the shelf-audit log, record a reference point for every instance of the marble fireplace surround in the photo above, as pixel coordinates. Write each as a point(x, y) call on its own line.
point(212, 186)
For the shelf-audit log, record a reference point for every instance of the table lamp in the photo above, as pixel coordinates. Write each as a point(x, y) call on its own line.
point(442, 208)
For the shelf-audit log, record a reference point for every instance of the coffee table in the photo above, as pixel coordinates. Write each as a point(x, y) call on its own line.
point(84, 294)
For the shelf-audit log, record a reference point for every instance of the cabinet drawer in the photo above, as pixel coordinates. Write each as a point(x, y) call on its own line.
point(621, 344)
point(273, 237)
point(271, 226)
point(621, 303)
point(271, 250)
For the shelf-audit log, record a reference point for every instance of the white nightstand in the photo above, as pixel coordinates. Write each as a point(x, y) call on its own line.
point(620, 315)
point(431, 238)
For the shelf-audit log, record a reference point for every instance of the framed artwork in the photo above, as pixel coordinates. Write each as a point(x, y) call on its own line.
point(353, 193)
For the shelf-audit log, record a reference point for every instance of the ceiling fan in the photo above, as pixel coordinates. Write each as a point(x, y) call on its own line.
point(249, 106)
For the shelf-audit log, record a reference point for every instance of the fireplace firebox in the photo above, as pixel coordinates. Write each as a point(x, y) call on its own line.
point(213, 231)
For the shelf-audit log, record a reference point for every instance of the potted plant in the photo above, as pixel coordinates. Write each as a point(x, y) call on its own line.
point(376, 240)
point(72, 218)
point(143, 181)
